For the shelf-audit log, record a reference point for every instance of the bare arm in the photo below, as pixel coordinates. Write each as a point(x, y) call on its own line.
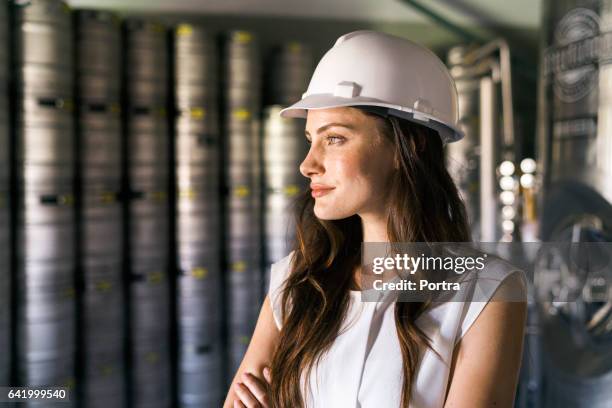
point(486, 361)
point(259, 352)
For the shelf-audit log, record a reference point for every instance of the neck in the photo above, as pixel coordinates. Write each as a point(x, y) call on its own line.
point(374, 227)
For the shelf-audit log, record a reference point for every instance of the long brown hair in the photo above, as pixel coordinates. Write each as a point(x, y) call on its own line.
point(423, 206)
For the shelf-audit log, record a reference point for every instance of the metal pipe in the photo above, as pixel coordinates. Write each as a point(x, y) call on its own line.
point(487, 49)
point(523, 66)
point(466, 35)
point(488, 160)
point(500, 45)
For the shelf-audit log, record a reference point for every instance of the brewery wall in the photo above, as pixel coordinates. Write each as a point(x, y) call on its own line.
point(147, 183)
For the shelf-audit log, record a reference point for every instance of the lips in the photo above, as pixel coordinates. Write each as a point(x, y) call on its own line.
point(319, 190)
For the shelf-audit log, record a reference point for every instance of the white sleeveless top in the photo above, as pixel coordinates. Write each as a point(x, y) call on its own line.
point(364, 367)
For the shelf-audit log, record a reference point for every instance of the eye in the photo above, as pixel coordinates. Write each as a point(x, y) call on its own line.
point(334, 139)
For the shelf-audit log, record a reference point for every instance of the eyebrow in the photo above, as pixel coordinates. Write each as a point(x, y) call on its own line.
point(325, 127)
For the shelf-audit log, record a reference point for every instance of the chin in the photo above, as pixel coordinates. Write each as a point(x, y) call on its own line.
point(330, 212)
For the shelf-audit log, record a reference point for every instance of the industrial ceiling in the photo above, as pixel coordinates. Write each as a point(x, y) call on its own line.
point(516, 13)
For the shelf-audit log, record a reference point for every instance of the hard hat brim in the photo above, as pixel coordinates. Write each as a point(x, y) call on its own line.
point(300, 109)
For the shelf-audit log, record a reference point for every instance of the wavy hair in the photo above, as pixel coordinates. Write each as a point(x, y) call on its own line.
point(423, 206)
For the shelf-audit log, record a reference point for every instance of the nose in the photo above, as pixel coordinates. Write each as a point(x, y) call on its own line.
point(312, 164)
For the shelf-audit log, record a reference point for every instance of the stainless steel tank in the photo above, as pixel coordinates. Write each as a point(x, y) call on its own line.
point(576, 75)
point(575, 155)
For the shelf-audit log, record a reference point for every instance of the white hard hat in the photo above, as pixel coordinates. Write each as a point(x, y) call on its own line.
point(368, 68)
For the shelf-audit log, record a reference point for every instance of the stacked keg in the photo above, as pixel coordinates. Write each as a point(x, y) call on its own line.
point(289, 74)
point(98, 42)
point(197, 162)
point(284, 148)
point(5, 267)
point(243, 198)
point(148, 230)
point(45, 178)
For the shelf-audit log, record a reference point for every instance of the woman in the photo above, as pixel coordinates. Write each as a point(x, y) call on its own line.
point(378, 109)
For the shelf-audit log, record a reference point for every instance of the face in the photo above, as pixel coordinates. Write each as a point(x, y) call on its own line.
point(349, 163)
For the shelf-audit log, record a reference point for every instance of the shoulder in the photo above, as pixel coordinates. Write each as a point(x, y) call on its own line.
point(279, 271)
point(489, 343)
point(500, 284)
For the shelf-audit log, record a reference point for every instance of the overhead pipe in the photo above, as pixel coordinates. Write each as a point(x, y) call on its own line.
point(461, 32)
point(505, 67)
point(488, 158)
point(524, 66)
point(489, 48)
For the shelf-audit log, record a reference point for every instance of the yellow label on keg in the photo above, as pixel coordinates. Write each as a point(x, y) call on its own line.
point(239, 266)
point(184, 30)
point(69, 383)
point(155, 277)
point(199, 272)
point(107, 197)
point(244, 339)
point(65, 8)
point(156, 27)
point(67, 199)
point(107, 370)
point(152, 357)
point(68, 105)
point(187, 193)
point(291, 190)
point(295, 47)
point(197, 113)
point(115, 108)
point(242, 191)
point(104, 286)
point(243, 37)
point(241, 114)
point(69, 293)
point(158, 195)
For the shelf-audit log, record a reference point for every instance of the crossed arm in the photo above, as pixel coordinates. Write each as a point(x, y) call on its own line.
point(484, 370)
